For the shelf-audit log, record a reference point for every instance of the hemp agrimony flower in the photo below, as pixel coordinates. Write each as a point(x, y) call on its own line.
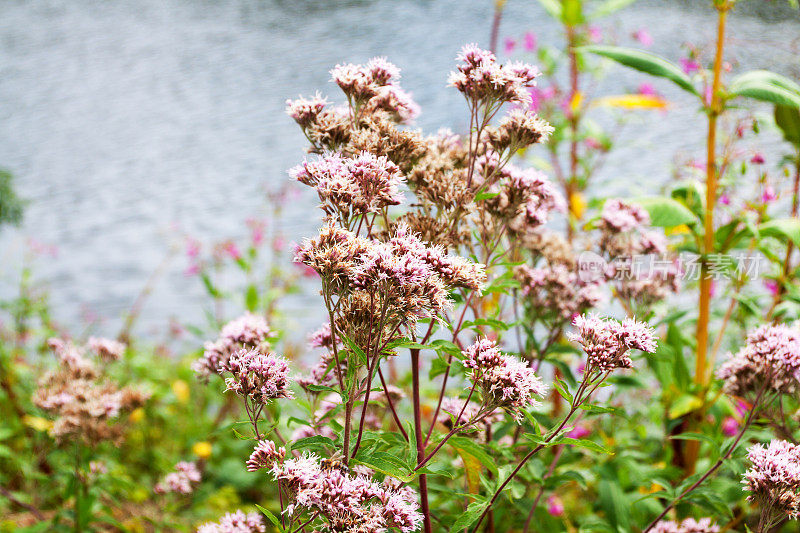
point(505, 381)
point(607, 343)
point(773, 480)
point(770, 358)
point(689, 525)
point(236, 522)
point(259, 376)
point(182, 481)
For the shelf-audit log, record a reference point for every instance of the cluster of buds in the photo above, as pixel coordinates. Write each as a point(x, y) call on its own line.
point(505, 382)
point(182, 481)
point(106, 349)
point(689, 525)
point(486, 82)
point(557, 289)
point(236, 522)
point(83, 401)
point(625, 231)
point(374, 87)
point(261, 377)
point(522, 198)
point(249, 331)
point(349, 187)
point(607, 343)
point(337, 498)
point(770, 359)
point(773, 480)
point(412, 279)
point(517, 130)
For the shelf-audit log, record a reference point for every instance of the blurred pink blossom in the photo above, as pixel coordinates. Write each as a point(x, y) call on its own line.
point(689, 66)
point(757, 159)
point(643, 36)
point(192, 270)
point(768, 195)
point(647, 89)
point(725, 199)
point(578, 432)
point(730, 426)
point(593, 143)
point(772, 286)
point(278, 244)
point(554, 506)
point(192, 247)
point(509, 45)
point(529, 41)
point(595, 34)
point(232, 250)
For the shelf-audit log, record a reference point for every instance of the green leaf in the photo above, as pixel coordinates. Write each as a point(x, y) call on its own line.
point(666, 212)
point(386, 463)
point(469, 447)
point(251, 298)
point(468, 517)
point(767, 87)
point(644, 62)
point(686, 403)
point(788, 120)
point(587, 444)
point(608, 7)
point(315, 441)
point(271, 517)
point(788, 228)
point(553, 8)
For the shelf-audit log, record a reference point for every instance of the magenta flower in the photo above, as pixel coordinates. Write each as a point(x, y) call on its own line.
point(757, 159)
point(772, 286)
point(730, 426)
point(555, 506)
point(232, 250)
point(529, 41)
point(643, 36)
point(769, 194)
point(647, 89)
point(579, 431)
point(509, 45)
point(725, 199)
point(595, 34)
point(689, 66)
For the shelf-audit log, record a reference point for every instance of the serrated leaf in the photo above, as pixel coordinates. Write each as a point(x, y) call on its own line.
point(586, 444)
point(386, 463)
point(468, 517)
point(468, 446)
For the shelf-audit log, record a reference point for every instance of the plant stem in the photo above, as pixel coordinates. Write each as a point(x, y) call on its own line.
point(423, 479)
point(704, 477)
point(498, 15)
point(702, 375)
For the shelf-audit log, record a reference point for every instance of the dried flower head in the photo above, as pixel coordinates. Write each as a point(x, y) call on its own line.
point(505, 381)
point(558, 290)
point(236, 522)
point(770, 358)
point(773, 480)
point(107, 349)
point(607, 343)
point(517, 130)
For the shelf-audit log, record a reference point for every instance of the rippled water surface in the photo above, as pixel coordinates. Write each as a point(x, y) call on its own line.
point(126, 120)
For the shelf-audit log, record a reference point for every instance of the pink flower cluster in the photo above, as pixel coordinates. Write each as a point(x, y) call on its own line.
point(607, 342)
point(352, 186)
point(305, 110)
point(72, 357)
point(524, 197)
point(236, 522)
point(482, 79)
point(182, 481)
point(265, 455)
point(621, 216)
point(349, 501)
point(558, 287)
point(259, 376)
point(247, 331)
point(505, 381)
point(689, 525)
point(770, 357)
point(773, 480)
point(107, 349)
point(374, 86)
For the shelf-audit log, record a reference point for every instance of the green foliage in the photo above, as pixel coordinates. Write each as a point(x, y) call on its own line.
point(11, 206)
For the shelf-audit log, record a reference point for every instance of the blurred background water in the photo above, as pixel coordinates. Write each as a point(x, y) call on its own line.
point(129, 122)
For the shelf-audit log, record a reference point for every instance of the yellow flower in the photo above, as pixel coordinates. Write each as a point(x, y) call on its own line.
point(181, 390)
point(202, 449)
point(575, 102)
point(38, 423)
point(577, 205)
point(137, 415)
point(677, 230)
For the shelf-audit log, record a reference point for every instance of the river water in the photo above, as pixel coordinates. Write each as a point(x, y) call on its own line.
point(128, 123)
